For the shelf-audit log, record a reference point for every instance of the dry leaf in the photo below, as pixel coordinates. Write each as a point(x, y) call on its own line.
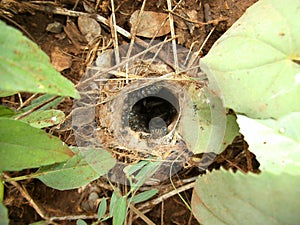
point(59, 60)
point(75, 36)
point(150, 23)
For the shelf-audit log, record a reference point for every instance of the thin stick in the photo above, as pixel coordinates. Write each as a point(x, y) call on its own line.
point(73, 217)
point(134, 30)
point(75, 5)
point(114, 32)
point(196, 54)
point(25, 194)
point(190, 218)
point(172, 183)
point(141, 215)
point(130, 216)
point(36, 108)
point(215, 21)
point(173, 36)
point(162, 213)
point(27, 101)
point(133, 36)
point(20, 98)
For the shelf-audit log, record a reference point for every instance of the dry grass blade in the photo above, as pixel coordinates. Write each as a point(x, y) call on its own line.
point(114, 35)
point(134, 30)
point(173, 36)
point(141, 215)
point(25, 194)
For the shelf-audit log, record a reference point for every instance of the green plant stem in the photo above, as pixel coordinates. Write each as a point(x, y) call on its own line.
point(180, 196)
point(25, 177)
point(1, 190)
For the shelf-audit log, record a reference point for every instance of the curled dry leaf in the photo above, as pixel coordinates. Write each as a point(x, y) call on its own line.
point(151, 24)
point(59, 60)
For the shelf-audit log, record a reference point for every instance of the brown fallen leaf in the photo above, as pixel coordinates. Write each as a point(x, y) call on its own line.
point(150, 23)
point(59, 60)
point(75, 36)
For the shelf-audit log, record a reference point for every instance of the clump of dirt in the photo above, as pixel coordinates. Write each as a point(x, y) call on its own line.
point(194, 22)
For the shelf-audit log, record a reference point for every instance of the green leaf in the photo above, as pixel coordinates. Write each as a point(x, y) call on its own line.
point(207, 128)
point(145, 173)
point(44, 102)
point(76, 171)
point(23, 146)
point(268, 198)
point(131, 169)
point(3, 215)
point(222, 197)
point(276, 143)
point(256, 62)
point(81, 222)
point(6, 112)
point(120, 211)
point(7, 93)
point(113, 201)
point(25, 67)
point(141, 197)
point(47, 118)
point(98, 159)
point(102, 208)
point(42, 222)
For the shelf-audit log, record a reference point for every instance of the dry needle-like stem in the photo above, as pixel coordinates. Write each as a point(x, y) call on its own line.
point(174, 46)
point(25, 194)
point(113, 28)
point(141, 215)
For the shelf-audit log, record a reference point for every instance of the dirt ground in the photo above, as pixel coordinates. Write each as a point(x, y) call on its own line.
point(32, 21)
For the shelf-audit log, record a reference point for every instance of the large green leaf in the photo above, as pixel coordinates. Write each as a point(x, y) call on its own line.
point(276, 143)
point(223, 197)
point(210, 130)
point(256, 62)
point(24, 67)
point(23, 146)
point(268, 198)
point(76, 171)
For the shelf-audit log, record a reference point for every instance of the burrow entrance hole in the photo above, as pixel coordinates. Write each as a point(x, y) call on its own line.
point(150, 107)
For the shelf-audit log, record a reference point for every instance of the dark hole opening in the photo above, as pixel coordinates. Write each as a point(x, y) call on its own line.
point(148, 108)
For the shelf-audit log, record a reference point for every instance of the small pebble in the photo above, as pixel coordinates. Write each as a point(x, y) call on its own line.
point(89, 27)
point(55, 27)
